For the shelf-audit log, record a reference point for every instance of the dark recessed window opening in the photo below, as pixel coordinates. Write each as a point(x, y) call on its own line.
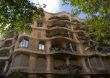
point(40, 24)
point(41, 45)
point(24, 43)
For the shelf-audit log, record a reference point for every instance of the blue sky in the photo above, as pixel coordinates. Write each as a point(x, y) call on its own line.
point(55, 6)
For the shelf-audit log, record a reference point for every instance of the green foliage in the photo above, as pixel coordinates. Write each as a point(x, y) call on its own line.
point(17, 15)
point(18, 74)
point(98, 17)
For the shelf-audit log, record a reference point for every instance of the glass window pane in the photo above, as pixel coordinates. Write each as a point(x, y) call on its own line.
point(41, 46)
point(24, 43)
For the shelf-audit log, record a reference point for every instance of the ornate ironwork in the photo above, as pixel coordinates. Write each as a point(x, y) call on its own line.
point(70, 68)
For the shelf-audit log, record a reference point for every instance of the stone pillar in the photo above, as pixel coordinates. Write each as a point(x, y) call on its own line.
point(100, 58)
point(48, 46)
point(75, 36)
point(49, 63)
point(84, 65)
point(80, 48)
point(32, 66)
point(87, 76)
point(64, 45)
point(32, 76)
point(50, 76)
point(32, 63)
point(92, 70)
point(67, 61)
point(6, 66)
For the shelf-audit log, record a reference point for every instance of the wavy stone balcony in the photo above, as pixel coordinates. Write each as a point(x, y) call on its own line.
point(82, 37)
point(59, 27)
point(60, 35)
point(98, 70)
point(5, 51)
point(6, 43)
point(27, 70)
point(54, 71)
point(96, 67)
point(36, 51)
point(50, 50)
point(21, 34)
point(59, 18)
point(80, 28)
point(60, 23)
point(94, 50)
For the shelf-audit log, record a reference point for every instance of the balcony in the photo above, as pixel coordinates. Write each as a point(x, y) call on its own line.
point(59, 18)
point(61, 46)
point(60, 23)
point(23, 34)
point(61, 35)
point(99, 70)
point(95, 65)
point(53, 27)
point(81, 28)
point(4, 53)
point(29, 49)
point(104, 49)
point(62, 50)
point(83, 37)
point(68, 69)
point(7, 43)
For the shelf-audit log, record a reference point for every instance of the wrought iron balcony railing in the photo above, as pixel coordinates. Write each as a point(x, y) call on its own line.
point(61, 34)
point(59, 18)
point(59, 49)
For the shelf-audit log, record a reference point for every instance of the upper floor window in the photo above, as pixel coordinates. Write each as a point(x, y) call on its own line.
point(39, 24)
point(41, 45)
point(24, 42)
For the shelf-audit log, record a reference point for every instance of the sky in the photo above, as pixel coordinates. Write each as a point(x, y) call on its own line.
point(55, 6)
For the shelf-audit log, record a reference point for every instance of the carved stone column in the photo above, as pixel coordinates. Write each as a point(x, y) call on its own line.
point(32, 66)
point(84, 65)
point(48, 46)
point(32, 63)
point(87, 76)
point(50, 76)
point(32, 76)
point(6, 66)
point(67, 61)
point(49, 63)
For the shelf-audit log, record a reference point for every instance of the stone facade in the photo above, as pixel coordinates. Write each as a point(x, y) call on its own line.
point(58, 47)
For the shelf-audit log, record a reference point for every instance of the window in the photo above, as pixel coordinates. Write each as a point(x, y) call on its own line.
point(95, 62)
point(41, 63)
point(41, 46)
point(39, 24)
point(20, 60)
point(24, 43)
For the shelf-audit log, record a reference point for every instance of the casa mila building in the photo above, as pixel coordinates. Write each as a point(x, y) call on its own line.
point(58, 47)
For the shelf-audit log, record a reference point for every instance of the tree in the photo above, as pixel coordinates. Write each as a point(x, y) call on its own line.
point(98, 17)
point(17, 15)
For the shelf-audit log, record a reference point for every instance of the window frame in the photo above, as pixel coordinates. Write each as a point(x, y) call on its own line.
point(41, 45)
point(24, 42)
point(39, 23)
